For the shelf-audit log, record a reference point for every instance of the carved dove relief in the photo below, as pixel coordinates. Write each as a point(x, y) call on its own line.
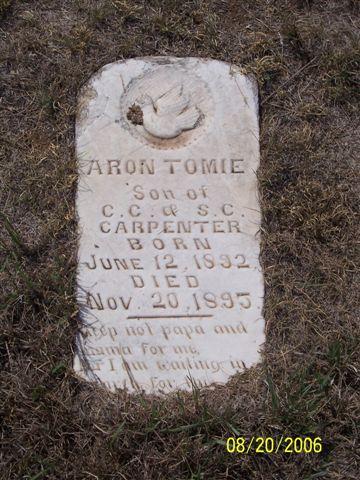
point(167, 108)
point(170, 114)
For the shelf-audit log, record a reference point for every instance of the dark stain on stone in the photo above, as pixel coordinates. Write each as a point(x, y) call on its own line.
point(135, 115)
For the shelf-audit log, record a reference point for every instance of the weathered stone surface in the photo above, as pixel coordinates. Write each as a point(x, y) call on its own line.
point(169, 281)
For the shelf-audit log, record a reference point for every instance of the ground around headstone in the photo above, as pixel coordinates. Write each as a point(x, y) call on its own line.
point(55, 425)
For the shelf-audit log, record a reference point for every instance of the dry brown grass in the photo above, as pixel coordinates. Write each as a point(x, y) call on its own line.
point(305, 55)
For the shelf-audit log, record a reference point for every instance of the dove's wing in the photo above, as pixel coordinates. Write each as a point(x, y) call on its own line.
point(173, 102)
point(188, 118)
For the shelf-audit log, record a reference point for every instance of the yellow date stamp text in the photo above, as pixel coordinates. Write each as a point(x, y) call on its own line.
point(244, 445)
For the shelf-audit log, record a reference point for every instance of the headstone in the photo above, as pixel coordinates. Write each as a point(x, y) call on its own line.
point(169, 282)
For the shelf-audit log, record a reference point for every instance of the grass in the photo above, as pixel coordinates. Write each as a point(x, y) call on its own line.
point(306, 59)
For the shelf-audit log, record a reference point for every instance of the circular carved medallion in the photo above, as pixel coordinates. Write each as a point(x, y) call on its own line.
point(166, 108)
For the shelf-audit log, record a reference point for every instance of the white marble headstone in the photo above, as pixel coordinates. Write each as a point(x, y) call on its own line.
point(169, 282)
